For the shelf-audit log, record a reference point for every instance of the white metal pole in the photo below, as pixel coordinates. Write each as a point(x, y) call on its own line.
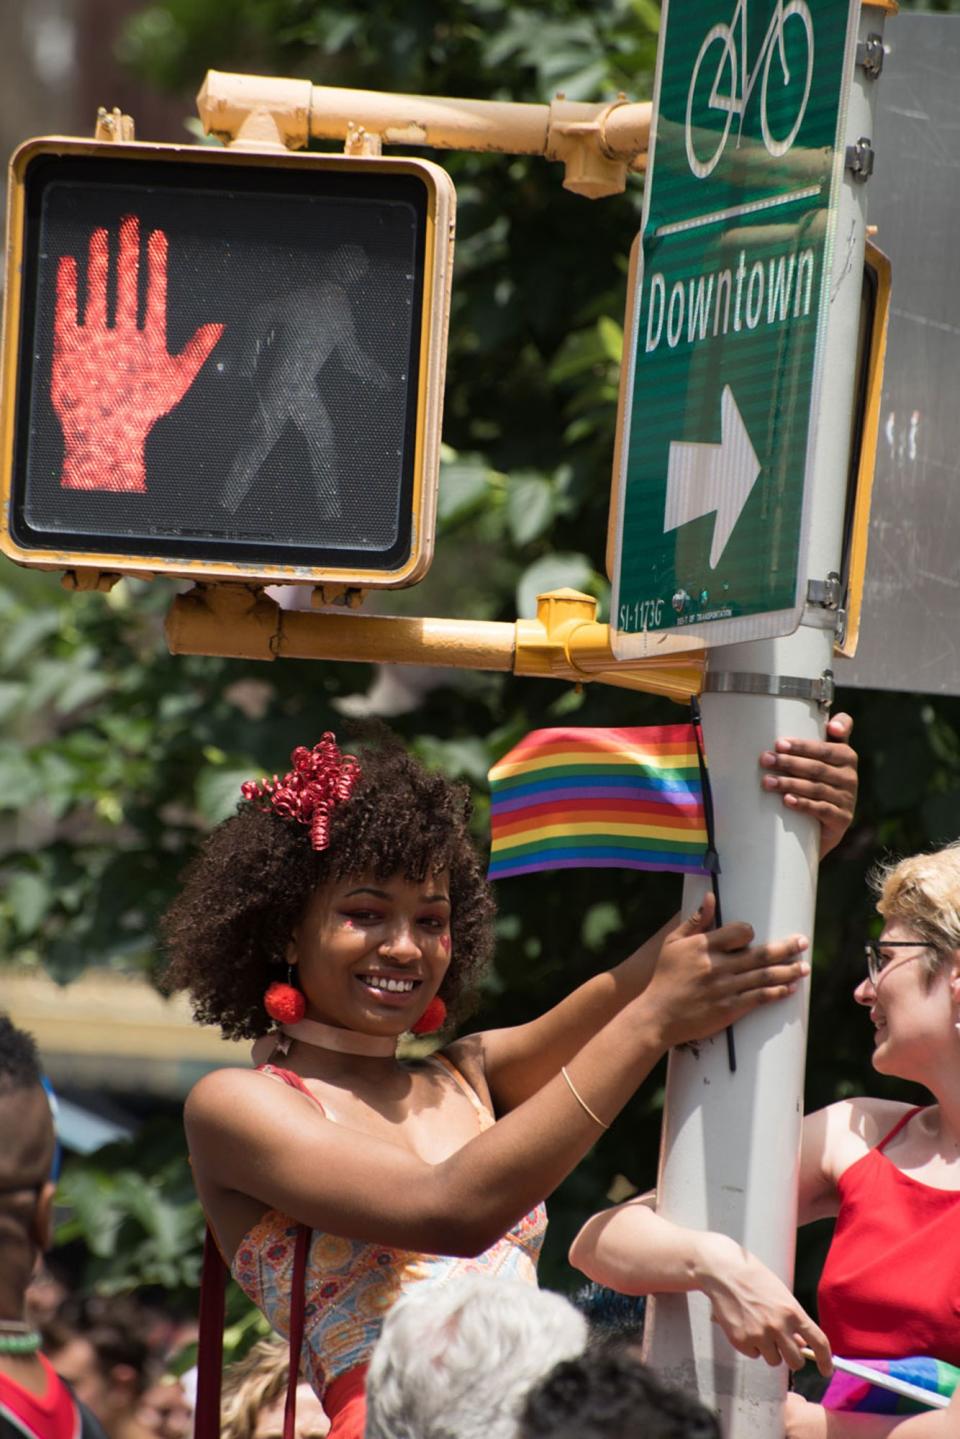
point(730, 1141)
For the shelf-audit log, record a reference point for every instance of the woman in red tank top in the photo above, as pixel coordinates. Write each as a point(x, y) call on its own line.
point(890, 1287)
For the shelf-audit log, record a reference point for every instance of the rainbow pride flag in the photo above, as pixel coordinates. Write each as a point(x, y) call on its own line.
point(601, 798)
point(860, 1394)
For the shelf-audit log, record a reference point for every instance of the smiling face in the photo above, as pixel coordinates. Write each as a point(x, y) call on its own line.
point(914, 1015)
point(371, 953)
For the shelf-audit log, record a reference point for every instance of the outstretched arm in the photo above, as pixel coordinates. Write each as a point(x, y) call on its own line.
point(353, 357)
point(811, 1421)
point(816, 777)
point(636, 1251)
point(516, 1062)
point(251, 1137)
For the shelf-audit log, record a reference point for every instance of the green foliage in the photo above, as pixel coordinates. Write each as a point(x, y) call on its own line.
point(135, 1228)
point(115, 756)
point(133, 1210)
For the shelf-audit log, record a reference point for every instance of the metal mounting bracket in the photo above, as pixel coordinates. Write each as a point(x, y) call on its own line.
point(826, 593)
point(824, 608)
point(792, 687)
point(859, 159)
point(870, 56)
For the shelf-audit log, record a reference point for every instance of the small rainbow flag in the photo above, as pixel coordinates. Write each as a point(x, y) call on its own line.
point(890, 1386)
point(602, 798)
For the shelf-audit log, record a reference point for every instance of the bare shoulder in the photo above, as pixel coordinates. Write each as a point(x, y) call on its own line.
point(849, 1129)
point(228, 1098)
point(218, 1086)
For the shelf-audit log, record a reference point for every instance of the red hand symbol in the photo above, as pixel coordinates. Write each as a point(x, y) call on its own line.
point(110, 385)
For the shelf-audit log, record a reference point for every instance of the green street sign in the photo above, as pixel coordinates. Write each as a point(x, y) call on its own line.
point(729, 302)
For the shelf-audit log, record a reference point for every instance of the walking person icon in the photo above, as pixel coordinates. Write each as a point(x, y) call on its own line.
point(285, 344)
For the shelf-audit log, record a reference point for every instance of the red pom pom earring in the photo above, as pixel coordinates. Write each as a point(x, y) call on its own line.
point(433, 1017)
point(284, 1002)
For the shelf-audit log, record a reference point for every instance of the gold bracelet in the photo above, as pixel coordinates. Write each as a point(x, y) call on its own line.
point(580, 1099)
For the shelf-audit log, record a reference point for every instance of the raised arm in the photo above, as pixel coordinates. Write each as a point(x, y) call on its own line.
point(332, 1178)
point(817, 777)
point(516, 1062)
point(636, 1251)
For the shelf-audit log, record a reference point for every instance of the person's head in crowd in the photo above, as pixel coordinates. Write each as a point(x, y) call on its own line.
point(165, 1409)
point(26, 1155)
point(254, 1396)
point(167, 1404)
point(26, 1208)
point(51, 1285)
point(608, 1393)
point(455, 1360)
point(99, 1346)
point(611, 1316)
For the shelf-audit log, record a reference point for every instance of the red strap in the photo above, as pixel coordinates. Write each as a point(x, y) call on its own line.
point(213, 1286)
point(293, 1080)
point(298, 1300)
point(900, 1124)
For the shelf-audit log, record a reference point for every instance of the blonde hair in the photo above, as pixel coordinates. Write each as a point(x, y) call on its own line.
point(254, 1382)
point(924, 892)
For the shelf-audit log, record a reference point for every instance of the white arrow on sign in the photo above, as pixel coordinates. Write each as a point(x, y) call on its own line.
point(705, 477)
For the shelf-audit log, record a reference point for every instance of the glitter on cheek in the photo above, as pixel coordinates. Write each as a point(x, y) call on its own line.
point(445, 943)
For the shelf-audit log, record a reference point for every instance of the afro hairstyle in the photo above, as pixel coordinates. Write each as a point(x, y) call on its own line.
point(244, 893)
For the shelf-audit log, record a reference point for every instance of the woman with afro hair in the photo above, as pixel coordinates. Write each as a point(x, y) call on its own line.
point(342, 907)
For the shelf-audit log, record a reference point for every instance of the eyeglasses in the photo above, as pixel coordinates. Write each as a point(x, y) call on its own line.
point(878, 962)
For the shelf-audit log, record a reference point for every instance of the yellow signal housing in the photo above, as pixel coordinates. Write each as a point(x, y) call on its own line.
point(223, 365)
point(874, 320)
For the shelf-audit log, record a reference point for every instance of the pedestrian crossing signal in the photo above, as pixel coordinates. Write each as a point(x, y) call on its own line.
point(224, 364)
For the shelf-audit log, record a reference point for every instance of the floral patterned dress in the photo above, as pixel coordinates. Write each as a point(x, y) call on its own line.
point(350, 1283)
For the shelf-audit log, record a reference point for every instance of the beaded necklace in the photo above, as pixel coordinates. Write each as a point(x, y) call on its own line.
point(18, 1337)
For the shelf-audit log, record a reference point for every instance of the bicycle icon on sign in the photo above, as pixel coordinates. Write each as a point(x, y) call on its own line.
point(786, 85)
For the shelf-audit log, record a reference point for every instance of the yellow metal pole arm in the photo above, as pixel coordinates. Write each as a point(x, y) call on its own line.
point(564, 642)
point(596, 143)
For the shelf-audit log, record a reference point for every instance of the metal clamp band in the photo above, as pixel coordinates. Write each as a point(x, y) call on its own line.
point(793, 687)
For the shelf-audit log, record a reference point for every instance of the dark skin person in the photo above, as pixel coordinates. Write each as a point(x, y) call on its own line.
point(400, 1160)
point(26, 1213)
point(819, 780)
point(451, 1190)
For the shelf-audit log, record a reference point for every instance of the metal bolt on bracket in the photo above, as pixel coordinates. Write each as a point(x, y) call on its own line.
point(870, 56)
point(859, 159)
point(826, 593)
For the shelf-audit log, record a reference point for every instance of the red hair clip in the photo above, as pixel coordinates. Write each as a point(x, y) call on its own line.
point(321, 779)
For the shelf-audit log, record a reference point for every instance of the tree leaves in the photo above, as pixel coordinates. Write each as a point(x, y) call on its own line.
point(551, 572)
point(531, 505)
point(27, 899)
point(140, 1230)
